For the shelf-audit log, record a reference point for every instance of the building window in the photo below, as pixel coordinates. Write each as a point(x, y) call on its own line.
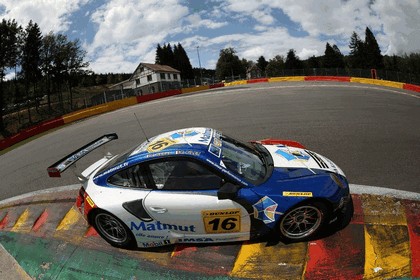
point(149, 78)
point(137, 82)
point(169, 76)
point(141, 69)
point(162, 76)
point(175, 77)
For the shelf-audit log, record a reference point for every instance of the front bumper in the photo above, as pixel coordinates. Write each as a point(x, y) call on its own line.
point(343, 210)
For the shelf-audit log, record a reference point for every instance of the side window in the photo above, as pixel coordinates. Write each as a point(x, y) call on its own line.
point(183, 175)
point(129, 178)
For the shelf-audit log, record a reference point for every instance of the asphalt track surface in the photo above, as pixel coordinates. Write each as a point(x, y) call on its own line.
point(371, 132)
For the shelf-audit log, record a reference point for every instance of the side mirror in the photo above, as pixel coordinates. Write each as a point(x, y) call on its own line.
point(228, 191)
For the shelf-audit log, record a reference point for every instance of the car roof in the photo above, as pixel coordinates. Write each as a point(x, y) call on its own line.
point(193, 138)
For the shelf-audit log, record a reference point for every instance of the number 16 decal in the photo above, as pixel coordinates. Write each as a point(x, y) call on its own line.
point(222, 221)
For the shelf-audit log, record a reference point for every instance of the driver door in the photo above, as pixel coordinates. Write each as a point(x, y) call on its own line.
point(185, 204)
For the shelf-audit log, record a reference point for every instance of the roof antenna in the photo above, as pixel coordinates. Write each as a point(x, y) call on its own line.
point(141, 127)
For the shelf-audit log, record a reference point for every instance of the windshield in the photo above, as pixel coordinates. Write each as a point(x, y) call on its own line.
point(243, 160)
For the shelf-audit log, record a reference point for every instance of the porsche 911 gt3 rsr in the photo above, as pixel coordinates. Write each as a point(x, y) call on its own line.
point(198, 185)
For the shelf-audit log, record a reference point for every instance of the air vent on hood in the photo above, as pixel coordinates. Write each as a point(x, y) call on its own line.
point(318, 160)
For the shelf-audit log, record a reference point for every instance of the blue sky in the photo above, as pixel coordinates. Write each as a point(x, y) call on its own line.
point(119, 34)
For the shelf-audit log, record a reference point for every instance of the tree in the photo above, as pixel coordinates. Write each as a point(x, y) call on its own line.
point(8, 57)
point(275, 66)
point(374, 58)
point(228, 64)
point(62, 61)
point(314, 62)
point(47, 50)
point(332, 57)
point(262, 64)
point(75, 65)
point(182, 62)
point(31, 60)
point(292, 61)
point(357, 54)
point(159, 54)
point(167, 57)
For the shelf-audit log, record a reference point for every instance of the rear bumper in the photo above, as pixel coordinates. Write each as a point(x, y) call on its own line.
point(84, 203)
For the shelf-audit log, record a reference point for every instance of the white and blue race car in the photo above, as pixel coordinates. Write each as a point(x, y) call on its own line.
point(197, 185)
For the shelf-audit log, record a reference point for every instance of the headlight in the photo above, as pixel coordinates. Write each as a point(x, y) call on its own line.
point(337, 181)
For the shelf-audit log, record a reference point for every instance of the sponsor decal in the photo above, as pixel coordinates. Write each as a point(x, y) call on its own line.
point(292, 155)
point(155, 243)
point(187, 152)
point(161, 154)
point(194, 240)
point(222, 221)
point(160, 226)
point(222, 168)
point(160, 144)
point(299, 194)
point(82, 153)
point(90, 201)
point(185, 133)
point(141, 234)
point(265, 210)
point(215, 150)
point(205, 138)
point(115, 168)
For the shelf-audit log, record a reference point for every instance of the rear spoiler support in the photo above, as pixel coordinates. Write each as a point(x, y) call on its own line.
point(57, 168)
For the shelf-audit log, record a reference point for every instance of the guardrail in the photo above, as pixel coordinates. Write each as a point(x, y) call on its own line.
point(114, 105)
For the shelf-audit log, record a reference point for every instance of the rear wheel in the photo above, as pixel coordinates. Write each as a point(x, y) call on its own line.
point(112, 229)
point(303, 221)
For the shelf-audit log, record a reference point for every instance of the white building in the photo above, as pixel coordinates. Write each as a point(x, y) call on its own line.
point(150, 78)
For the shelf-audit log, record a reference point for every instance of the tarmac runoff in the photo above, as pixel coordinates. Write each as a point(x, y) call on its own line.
point(43, 236)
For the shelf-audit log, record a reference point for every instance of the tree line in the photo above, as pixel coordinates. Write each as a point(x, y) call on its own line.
point(364, 54)
point(43, 66)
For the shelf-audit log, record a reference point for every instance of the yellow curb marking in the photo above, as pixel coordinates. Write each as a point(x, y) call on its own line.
point(21, 223)
point(259, 261)
point(72, 217)
point(387, 245)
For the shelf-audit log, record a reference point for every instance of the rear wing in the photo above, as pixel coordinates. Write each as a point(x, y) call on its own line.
point(57, 168)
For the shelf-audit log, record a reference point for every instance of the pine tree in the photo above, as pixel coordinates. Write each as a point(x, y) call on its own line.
point(159, 53)
point(275, 66)
point(374, 58)
point(31, 56)
point(9, 53)
point(332, 57)
point(357, 52)
point(292, 61)
point(182, 62)
point(167, 55)
point(262, 64)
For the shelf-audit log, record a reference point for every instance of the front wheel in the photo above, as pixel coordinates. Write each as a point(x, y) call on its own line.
point(112, 229)
point(303, 221)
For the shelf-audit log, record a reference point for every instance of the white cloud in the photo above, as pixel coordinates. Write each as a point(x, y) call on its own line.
point(50, 15)
point(401, 25)
point(131, 30)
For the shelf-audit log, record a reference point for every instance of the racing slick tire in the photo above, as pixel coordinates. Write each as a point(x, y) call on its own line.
point(303, 222)
point(112, 229)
